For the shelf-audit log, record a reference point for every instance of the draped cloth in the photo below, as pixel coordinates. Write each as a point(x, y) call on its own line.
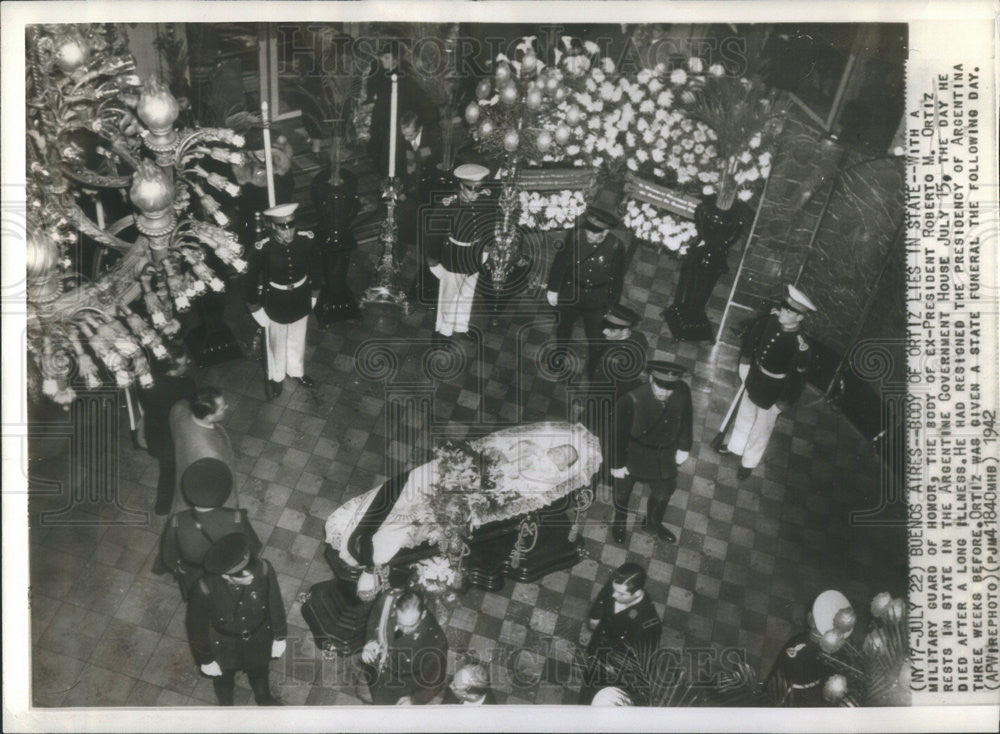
point(539, 463)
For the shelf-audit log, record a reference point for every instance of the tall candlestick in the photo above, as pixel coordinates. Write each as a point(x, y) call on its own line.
point(393, 105)
point(268, 162)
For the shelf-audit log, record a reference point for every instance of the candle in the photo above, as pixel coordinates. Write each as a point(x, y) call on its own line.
point(268, 163)
point(393, 132)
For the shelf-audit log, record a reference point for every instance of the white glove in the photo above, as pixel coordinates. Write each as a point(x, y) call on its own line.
point(370, 652)
point(620, 473)
point(552, 297)
point(211, 669)
point(261, 317)
point(680, 457)
point(438, 271)
point(278, 648)
point(743, 370)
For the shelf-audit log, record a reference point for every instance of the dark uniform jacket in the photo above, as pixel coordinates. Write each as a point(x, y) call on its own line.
point(622, 363)
point(799, 673)
point(416, 664)
point(235, 625)
point(468, 223)
point(649, 433)
point(188, 535)
point(637, 627)
point(778, 360)
point(588, 275)
point(270, 262)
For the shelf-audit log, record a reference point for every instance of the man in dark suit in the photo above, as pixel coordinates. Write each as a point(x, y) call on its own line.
point(653, 425)
point(410, 97)
point(624, 622)
point(406, 654)
point(417, 160)
point(281, 286)
point(172, 385)
point(774, 360)
point(586, 278)
point(236, 619)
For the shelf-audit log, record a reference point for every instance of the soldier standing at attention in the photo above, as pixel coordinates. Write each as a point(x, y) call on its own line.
point(774, 359)
point(281, 286)
point(653, 426)
point(586, 278)
point(236, 619)
point(454, 256)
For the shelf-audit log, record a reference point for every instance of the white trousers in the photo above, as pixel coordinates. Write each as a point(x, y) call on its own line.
point(455, 294)
point(751, 431)
point(286, 349)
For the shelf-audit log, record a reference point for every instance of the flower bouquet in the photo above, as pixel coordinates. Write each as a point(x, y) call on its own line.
point(544, 211)
point(659, 226)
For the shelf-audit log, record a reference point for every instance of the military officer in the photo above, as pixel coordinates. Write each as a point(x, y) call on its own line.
point(800, 670)
point(282, 285)
point(236, 619)
point(188, 535)
point(586, 277)
point(624, 621)
point(652, 438)
point(407, 652)
point(455, 250)
point(774, 359)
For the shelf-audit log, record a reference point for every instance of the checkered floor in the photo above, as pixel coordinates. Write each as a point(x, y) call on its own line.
point(751, 555)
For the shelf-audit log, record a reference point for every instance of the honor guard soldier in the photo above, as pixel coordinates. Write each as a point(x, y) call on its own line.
point(586, 277)
point(652, 438)
point(624, 622)
point(774, 359)
point(282, 285)
point(188, 535)
point(801, 668)
point(455, 255)
point(236, 619)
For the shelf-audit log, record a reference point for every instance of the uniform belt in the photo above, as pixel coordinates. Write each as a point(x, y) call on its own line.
point(768, 373)
point(805, 686)
point(648, 445)
point(290, 286)
point(453, 241)
point(246, 634)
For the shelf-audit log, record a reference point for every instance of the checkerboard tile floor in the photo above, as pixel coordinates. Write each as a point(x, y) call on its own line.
point(751, 555)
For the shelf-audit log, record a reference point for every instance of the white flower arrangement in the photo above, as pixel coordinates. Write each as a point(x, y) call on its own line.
point(435, 575)
point(543, 211)
point(659, 227)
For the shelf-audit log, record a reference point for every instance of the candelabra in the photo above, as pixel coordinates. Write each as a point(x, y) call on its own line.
point(386, 288)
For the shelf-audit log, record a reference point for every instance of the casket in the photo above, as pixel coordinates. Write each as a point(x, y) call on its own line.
point(520, 528)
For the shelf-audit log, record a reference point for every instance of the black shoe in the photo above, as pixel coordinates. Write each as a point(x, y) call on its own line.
point(618, 534)
point(723, 450)
point(743, 472)
point(470, 335)
point(665, 535)
point(305, 381)
point(276, 387)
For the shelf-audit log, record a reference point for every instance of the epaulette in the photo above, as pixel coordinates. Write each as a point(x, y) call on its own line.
point(259, 244)
point(794, 649)
point(803, 344)
point(306, 233)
